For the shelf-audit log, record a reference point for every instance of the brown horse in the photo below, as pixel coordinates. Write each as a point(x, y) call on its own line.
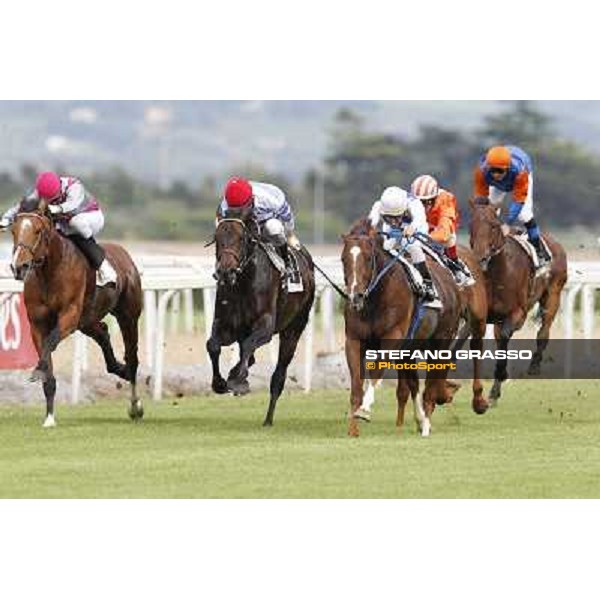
point(513, 286)
point(252, 306)
point(61, 296)
point(381, 306)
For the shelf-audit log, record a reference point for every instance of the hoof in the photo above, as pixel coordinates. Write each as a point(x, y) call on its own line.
point(534, 369)
point(136, 411)
point(49, 422)
point(239, 388)
point(363, 414)
point(38, 375)
point(480, 406)
point(353, 430)
point(426, 430)
point(267, 423)
point(219, 386)
point(495, 393)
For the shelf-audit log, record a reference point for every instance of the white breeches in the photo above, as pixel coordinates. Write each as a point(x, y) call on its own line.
point(277, 231)
point(87, 224)
point(416, 252)
point(497, 197)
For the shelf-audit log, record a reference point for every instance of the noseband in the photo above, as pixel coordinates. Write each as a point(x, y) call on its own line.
point(243, 257)
point(42, 235)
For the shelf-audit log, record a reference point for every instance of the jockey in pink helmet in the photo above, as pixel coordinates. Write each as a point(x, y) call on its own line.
point(77, 215)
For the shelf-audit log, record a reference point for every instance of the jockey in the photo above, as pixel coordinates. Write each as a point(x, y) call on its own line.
point(442, 218)
point(398, 215)
point(77, 215)
point(269, 207)
point(508, 169)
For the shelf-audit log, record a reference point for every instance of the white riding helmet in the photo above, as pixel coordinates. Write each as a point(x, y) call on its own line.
point(394, 201)
point(425, 187)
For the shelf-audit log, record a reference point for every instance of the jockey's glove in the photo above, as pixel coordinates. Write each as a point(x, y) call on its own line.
point(390, 244)
point(55, 209)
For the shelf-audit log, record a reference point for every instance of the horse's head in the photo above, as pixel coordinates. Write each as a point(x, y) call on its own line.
point(485, 231)
point(31, 235)
point(234, 239)
point(360, 258)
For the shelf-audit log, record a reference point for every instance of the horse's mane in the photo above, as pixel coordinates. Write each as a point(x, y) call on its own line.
point(361, 227)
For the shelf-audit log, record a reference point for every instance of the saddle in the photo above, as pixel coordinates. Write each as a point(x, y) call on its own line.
point(293, 279)
point(520, 236)
point(415, 280)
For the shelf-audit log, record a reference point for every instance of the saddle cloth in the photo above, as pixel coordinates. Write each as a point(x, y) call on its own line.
point(294, 279)
point(523, 241)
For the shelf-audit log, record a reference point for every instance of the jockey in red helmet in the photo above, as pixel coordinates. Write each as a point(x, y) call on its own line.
point(268, 206)
point(77, 215)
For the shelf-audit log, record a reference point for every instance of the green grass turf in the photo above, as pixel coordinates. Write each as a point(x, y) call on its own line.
point(543, 440)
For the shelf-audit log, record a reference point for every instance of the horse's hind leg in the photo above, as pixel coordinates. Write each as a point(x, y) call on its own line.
point(129, 330)
point(98, 331)
point(288, 342)
point(549, 304)
point(503, 334)
point(406, 386)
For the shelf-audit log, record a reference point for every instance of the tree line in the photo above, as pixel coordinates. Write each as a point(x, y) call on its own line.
point(358, 165)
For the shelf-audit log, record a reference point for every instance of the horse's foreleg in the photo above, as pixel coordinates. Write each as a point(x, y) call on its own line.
point(356, 384)
point(237, 381)
point(98, 331)
point(402, 392)
point(479, 402)
point(38, 334)
point(368, 399)
point(213, 347)
point(503, 334)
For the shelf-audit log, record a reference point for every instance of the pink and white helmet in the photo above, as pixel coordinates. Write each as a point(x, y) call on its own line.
point(425, 187)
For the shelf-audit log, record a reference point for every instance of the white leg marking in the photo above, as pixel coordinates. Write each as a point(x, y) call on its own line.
point(423, 422)
point(369, 395)
point(49, 422)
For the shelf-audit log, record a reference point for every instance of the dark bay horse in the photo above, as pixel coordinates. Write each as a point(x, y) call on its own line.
point(386, 312)
point(61, 296)
point(252, 306)
point(512, 285)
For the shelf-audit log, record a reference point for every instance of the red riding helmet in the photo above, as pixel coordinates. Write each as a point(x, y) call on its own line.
point(238, 192)
point(47, 185)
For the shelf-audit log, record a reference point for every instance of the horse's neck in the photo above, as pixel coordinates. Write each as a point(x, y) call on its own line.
point(57, 248)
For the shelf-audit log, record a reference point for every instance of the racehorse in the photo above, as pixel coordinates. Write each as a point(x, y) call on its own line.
point(252, 305)
point(512, 285)
point(61, 296)
point(382, 306)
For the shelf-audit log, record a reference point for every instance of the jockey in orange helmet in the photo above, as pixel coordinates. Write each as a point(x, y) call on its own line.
point(442, 218)
point(508, 169)
point(77, 215)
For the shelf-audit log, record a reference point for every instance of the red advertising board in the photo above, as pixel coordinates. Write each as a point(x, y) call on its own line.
point(16, 346)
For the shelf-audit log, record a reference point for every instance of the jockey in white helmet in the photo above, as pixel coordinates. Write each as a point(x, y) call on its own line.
point(398, 215)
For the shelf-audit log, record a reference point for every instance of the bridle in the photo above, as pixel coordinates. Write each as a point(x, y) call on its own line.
point(42, 235)
point(376, 276)
point(247, 246)
point(494, 250)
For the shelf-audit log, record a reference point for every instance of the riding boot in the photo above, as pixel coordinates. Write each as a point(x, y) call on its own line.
point(285, 253)
point(462, 273)
point(429, 292)
point(533, 233)
point(90, 249)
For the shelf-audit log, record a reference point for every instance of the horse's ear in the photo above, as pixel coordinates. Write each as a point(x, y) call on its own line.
point(42, 206)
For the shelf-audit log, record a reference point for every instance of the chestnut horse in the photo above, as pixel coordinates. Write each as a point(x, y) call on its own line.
point(251, 306)
point(512, 285)
point(61, 296)
point(381, 306)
